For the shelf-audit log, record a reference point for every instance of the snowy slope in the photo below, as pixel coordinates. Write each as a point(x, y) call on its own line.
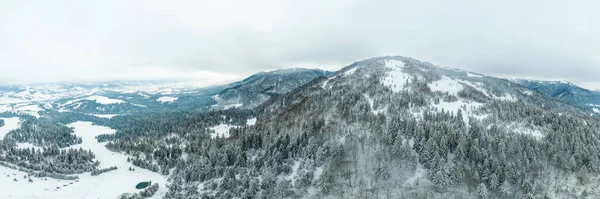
point(9, 125)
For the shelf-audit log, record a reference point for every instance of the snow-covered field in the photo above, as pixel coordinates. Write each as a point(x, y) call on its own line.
point(107, 185)
point(98, 99)
point(251, 122)
point(396, 79)
point(221, 130)
point(9, 124)
point(29, 110)
point(446, 85)
point(166, 99)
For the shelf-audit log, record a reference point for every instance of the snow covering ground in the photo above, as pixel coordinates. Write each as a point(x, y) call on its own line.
point(522, 129)
point(221, 130)
point(395, 78)
point(107, 116)
point(324, 85)
point(28, 146)
point(473, 75)
point(230, 106)
point(530, 93)
point(594, 105)
point(98, 99)
point(166, 99)
point(107, 185)
point(596, 110)
point(5, 108)
point(507, 97)
point(446, 85)
point(351, 71)
point(9, 125)
point(29, 110)
point(104, 100)
point(372, 103)
point(251, 122)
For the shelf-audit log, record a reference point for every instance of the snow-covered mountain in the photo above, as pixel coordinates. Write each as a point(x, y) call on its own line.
point(151, 96)
point(565, 91)
point(258, 88)
point(400, 126)
point(378, 128)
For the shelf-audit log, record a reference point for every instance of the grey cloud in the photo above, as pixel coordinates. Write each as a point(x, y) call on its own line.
point(545, 39)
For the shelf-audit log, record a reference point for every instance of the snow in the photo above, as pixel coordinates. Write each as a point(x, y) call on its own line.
point(108, 185)
point(324, 85)
point(166, 99)
point(29, 146)
point(446, 85)
point(477, 86)
point(473, 75)
point(530, 93)
point(395, 78)
point(221, 130)
point(230, 106)
point(9, 125)
point(251, 122)
point(104, 100)
point(596, 110)
point(507, 97)
point(351, 71)
point(144, 95)
point(294, 174)
point(98, 99)
point(371, 104)
point(29, 110)
point(420, 173)
point(522, 129)
point(594, 105)
point(467, 108)
point(5, 108)
point(107, 116)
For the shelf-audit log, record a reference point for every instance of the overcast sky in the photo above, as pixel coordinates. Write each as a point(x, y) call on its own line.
point(223, 40)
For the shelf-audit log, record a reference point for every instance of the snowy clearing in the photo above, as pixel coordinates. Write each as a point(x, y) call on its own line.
point(251, 122)
point(28, 146)
point(108, 185)
point(5, 108)
point(221, 130)
point(98, 99)
point(507, 97)
point(372, 103)
point(473, 75)
point(9, 125)
point(395, 79)
point(522, 129)
point(166, 99)
point(446, 85)
point(30, 110)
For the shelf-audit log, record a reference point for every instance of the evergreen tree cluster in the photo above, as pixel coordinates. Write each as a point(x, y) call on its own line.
point(43, 132)
point(51, 160)
point(101, 171)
